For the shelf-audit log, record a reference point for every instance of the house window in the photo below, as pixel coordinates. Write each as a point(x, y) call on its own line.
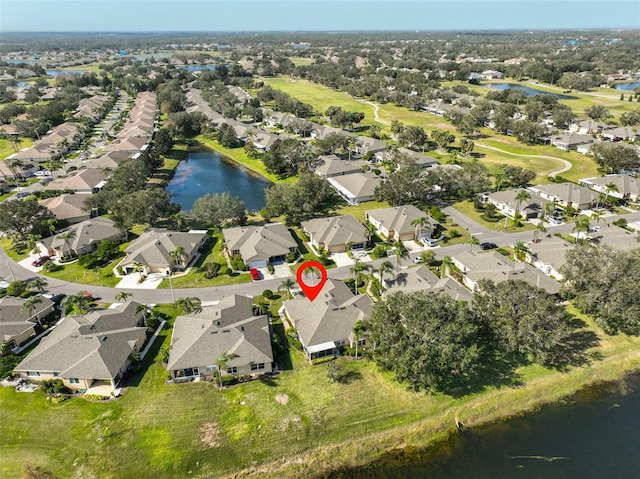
point(211, 368)
point(33, 373)
point(339, 342)
point(257, 367)
point(55, 375)
point(74, 381)
point(361, 342)
point(12, 344)
point(232, 370)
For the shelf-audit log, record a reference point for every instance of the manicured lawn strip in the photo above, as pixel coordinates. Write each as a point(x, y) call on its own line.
point(8, 246)
point(4, 196)
point(163, 175)
point(7, 149)
point(75, 273)
point(155, 430)
point(238, 156)
point(358, 211)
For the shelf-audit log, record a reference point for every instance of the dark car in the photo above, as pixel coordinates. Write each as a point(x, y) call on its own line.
point(57, 298)
point(485, 246)
point(40, 261)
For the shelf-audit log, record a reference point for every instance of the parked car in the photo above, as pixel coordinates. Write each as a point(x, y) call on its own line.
point(487, 245)
point(40, 261)
point(90, 296)
point(255, 274)
point(417, 259)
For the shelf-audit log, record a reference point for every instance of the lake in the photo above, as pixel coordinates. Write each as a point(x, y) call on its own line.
point(204, 172)
point(528, 90)
point(595, 434)
point(55, 73)
point(627, 86)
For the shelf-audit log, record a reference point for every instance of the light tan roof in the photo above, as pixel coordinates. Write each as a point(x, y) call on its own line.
point(398, 218)
point(358, 184)
point(335, 230)
point(153, 247)
point(66, 206)
point(257, 243)
point(81, 180)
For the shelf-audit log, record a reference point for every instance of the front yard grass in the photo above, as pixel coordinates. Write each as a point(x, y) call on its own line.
point(466, 207)
point(75, 273)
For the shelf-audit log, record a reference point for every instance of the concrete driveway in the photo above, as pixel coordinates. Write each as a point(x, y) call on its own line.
point(130, 281)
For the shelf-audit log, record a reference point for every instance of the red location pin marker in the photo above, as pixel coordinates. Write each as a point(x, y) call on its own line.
point(311, 291)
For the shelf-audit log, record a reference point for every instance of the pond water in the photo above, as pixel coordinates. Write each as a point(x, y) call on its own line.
point(55, 73)
point(528, 90)
point(595, 435)
point(204, 172)
point(197, 68)
point(628, 86)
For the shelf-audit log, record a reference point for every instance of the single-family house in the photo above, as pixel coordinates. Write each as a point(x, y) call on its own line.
point(588, 127)
point(499, 268)
point(621, 133)
point(68, 207)
point(420, 159)
point(619, 239)
point(619, 186)
point(18, 325)
point(85, 181)
point(110, 160)
point(571, 141)
point(260, 246)
point(422, 279)
point(264, 140)
point(88, 350)
point(356, 188)
point(320, 132)
point(326, 324)
point(507, 203)
point(401, 223)
point(491, 75)
point(134, 144)
point(81, 238)
point(329, 166)
point(549, 255)
point(366, 144)
point(200, 338)
point(566, 194)
point(336, 233)
point(8, 171)
point(152, 251)
point(36, 154)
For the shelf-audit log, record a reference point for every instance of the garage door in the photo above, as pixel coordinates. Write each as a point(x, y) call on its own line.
point(258, 264)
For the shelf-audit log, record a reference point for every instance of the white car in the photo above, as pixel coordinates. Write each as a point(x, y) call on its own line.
point(417, 260)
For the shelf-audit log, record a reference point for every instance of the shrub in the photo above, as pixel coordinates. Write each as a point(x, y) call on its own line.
point(490, 219)
point(87, 260)
point(454, 234)
point(376, 171)
point(267, 294)
point(437, 214)
point(622, 223)
point(270, 268)
point(16, 288)
point(380, 251)
point(225, 270)
point(291, 257)
point(326, 359)
point(7, 363)
point(211, 270)
point(53, 386)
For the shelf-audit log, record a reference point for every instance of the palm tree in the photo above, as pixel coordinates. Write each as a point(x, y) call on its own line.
point(176, 256)
point(67, 237)
point(582, 225)
point(519, 251)
point(369, 231)
point(141, 308)
point(30, 305)
point(596, 216)
point(401, 251)
point(123, 296)
point(523, 195)
point(472, 241)
point(51, 224)
point(357, 269)
point(385, 267)
point(138, 268)
point(180, 219)
point(16, 167)
point(447, 262)
point(419, 223)
point(222, 362)
point(500, 177)
point(314, 273)
point(287, 284)
point(38, 283)
point(609, 187)
point(188, 305)
point(539, 229)
point(550, 208)
point(358, 328)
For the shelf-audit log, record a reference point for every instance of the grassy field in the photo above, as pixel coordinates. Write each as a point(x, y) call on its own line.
point(466, 208)
point(77, 274)
point(6, 147)
point(157, 430)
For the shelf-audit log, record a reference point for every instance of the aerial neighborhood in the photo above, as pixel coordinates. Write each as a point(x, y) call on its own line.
point(469, 214)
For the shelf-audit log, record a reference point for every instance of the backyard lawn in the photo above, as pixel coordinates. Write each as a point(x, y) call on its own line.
point(158, 430)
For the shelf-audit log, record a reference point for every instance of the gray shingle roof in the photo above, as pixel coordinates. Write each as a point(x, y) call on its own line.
point(568, 192)
point(330, 317)
point(331, 165)
point(398, 218)
point(13, 320)
point(82, 180)
point(335, 230)
point(257, 243)
point(66, 206)
point(152, 248)
point(93, 346)
point(200, 338)
point(88, 232)
point(357, 184)
point(422, 279)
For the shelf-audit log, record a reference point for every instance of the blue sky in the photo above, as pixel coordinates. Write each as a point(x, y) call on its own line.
point(317, 15)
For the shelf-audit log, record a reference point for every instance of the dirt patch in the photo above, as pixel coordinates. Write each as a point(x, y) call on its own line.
point(210, 435)
point(282, 399)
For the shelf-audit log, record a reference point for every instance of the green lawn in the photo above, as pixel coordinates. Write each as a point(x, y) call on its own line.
point(77, 274)
point(6, 147)
point(157, 430)
point(466, 208)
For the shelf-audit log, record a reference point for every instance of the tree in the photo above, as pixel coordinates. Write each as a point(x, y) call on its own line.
point(163, 142)
point(358, 329)
point(472, 241)
point(408, 184)
point(385, 267)
point(606, 285)
point(597, 112)
point(412, 137)
point(466, 146)
point(145, 206)
point(188, 305)
point(141, 308)
point(447, 262)
point(401, 251)
point(562, 116)
point(123, 296)
point(519, 251)
point(522, 319)
point(443, 139)
point(287, 284)
point(419, 223)
point(177, 257)
point(23, 218)
point(38, 283)
point(31, 306)
point(219, 210)
point(517, 176)
point(522, 195)
point(613, 157)
point(428, 340)
point(630, 118)
point(76, 303)
point(67, 236)
point(357, 270)
point(581, 226)
point(539, 229)
point(298, 201)
point(222, 362)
